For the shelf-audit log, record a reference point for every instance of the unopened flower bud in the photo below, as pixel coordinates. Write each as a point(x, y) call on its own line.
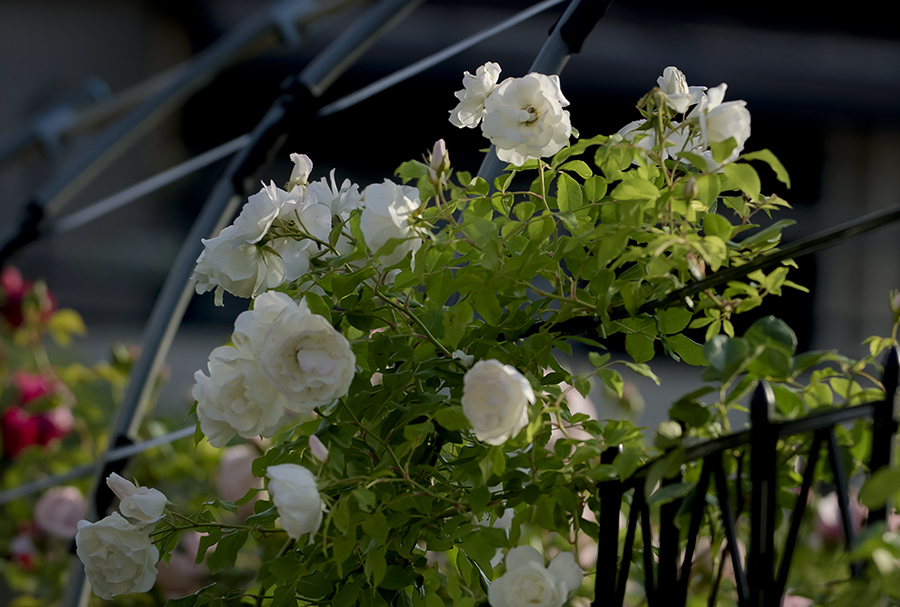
point(895, 302)
point(690, 191)
point(318, 449)
point(302, 168)
point(439, 162)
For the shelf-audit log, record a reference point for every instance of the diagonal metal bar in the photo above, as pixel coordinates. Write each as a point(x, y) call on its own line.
point(143, 188)
point(740, 577)
point(843, 494)
point(640, 502)
point(75, 174)
point(884, 426)
point(697, 510)
point(627, 553)
point(797, 516)
point(114, 455)
point(432, 60)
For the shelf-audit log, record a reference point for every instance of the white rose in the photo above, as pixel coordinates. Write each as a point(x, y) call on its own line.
point(118, 556)
point(305, 358)
point(302, 168)
point(470, 109)
point(721, 121)
point(235, 398)
point(251, 327)
point(524, 118)
point(386, 216)
point(527, 583)
point(341, 200)
point(243, 270)
point(59, 510)
point(495, 400)
point(679, 96)
point(296, 496)
point(143, 504)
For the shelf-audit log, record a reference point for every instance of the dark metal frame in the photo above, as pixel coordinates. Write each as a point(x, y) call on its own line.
point(761, 585)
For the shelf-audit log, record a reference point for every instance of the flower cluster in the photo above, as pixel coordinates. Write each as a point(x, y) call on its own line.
point(284, 357)
point(118, 556)
point(523, 117)
point(527, 582)
point(712, 121)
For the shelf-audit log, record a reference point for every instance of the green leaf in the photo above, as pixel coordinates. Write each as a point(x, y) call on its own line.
point(627, 462)
point(668, 493)
point(767, 235)
point(716, 225)
point(595, 188)
point(487, 306)
point(365, 498)
point(772, 333)
point(773, 162)
point(639, 347)
point(690, 412)
point(226, 550)
point(478, 499)
point(597, 359)
point(191, 599)
point(578, 166)
point(317, 305)
point(642, 370)
point(744, 177)
point(452, 418)
point(689, 351)
point(721, 150)
point(880, 487)
point(635, 189)
point(569, 194)
point(377, 527)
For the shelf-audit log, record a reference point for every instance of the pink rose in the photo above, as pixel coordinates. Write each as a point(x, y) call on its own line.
point(58, 511)
point(31, 386)
point(19, 430)
point(53, 424)
point(235, 476)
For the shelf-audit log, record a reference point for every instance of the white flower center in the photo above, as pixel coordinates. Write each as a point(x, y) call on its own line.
point(315, 360)
point(528, 115)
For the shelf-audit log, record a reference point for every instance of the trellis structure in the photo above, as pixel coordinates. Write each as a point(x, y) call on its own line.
point(759, 587)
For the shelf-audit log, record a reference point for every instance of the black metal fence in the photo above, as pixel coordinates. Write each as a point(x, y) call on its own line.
point(666, 580)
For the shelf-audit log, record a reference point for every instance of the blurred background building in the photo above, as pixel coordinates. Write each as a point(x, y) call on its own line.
point(823, 88)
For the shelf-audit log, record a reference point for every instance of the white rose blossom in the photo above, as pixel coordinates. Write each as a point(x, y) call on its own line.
point(144, 504)
point(720, 121)
point(524, 118)
point(470, 110)
point(527, 583)
point(296, 496)
point(386, 216)
point(232, 261)
point(306, 359)
point(118, 557)
point(340, 200)
point(495, 400)
point(236, 398)
point(679, 96)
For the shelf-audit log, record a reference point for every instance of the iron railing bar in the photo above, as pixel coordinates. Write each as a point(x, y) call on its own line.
point(143, 188)
point(668, 534)
point(640, 502)
point(565, 39)
point(787, 553)
point(80, 170)
point(627, 554)
point(697, 510)
point(884, 426)
point(842, 489)
point(32, 487)
point(610, 494)
point(740, 576)
point(428, 62)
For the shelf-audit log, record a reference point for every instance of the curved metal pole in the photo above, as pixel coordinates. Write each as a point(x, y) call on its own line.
point(83, 168)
